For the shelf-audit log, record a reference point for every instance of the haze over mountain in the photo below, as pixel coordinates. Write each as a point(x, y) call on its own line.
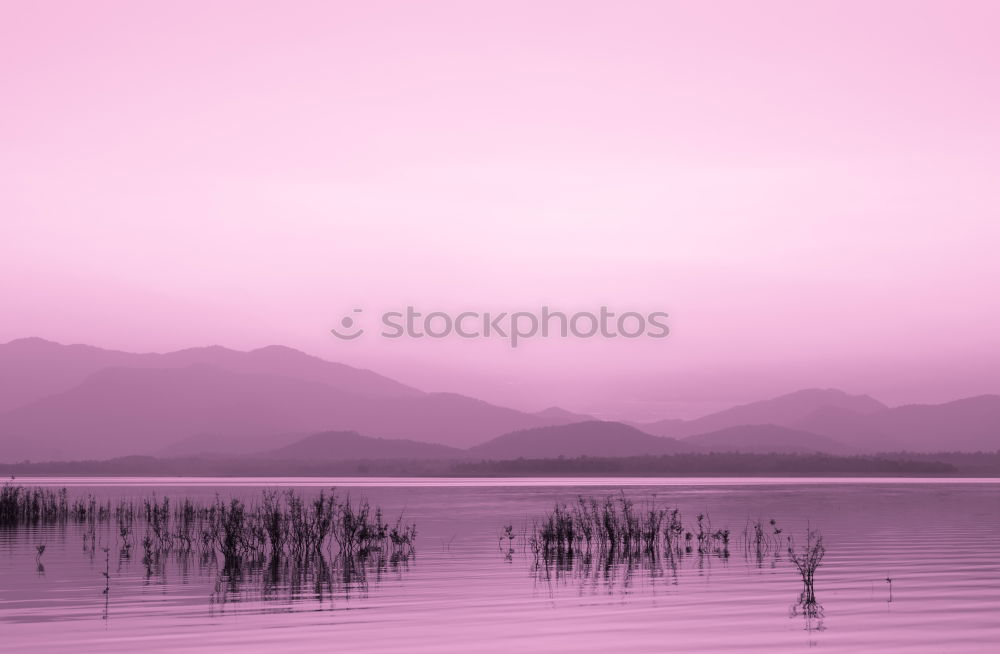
point(84, 402)
point(784, 410)
point(970, 424)
point(562, 415)
point(120, 411)
point(592, 438)
point(33, 368)
point(858, 423)
point(80, 402)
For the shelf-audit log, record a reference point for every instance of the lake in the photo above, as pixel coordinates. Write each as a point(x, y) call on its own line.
point(464, 590)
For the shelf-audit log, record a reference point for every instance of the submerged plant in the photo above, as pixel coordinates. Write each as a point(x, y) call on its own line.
point(278, 526)
point(614, 525)
point(806, 561)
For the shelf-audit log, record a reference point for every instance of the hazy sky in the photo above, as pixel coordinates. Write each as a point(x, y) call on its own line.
point(810, 189)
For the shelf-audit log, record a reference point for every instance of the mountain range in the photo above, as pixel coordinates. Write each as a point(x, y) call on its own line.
point(61, 402)
point(72, 401)
point(786, 410)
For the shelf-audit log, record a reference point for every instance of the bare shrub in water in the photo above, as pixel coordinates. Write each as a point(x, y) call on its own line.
point(615, 525)
point(809, 558)
point(279, 525)
point(761, 539)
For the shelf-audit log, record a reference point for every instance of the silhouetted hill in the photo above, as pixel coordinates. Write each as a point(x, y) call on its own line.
point(784, 411)
point(350, 445)
point(968, 424)
point(122, 411)
point(860, 423)
point(76, 401)
point(765, 439)
point(590, 438)
point(288, 362)
point(33, 368)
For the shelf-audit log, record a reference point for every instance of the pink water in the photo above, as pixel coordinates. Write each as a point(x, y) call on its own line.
point(939, 541)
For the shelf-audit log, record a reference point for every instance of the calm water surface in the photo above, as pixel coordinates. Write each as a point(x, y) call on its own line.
point(939, 542)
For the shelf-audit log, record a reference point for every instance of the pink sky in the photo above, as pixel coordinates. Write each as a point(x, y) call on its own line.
point(809, 189)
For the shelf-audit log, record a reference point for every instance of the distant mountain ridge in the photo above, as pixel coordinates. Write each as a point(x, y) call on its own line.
point(590, 438)
point(969, 424)
point(34, 368)
point(858, 422)
point(784, 410)
point(73, 401)
point(557, 413)
point(61, 402)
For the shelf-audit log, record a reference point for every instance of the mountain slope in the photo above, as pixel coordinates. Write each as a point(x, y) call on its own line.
point(590, 438)
point(969, 424)
point(123, 411)
point(784, 410)
point(560, 416)
point(33, 368)
point(288, 362)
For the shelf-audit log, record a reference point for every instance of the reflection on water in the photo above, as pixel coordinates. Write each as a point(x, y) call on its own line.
point(611, 572)
point(500, 570)
point(603, 545)
point(605, 541)
point(311, 577)
point(280, 547)
point(275, 548)
point(809, 608)
point(283, 579)
point(610, 538)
